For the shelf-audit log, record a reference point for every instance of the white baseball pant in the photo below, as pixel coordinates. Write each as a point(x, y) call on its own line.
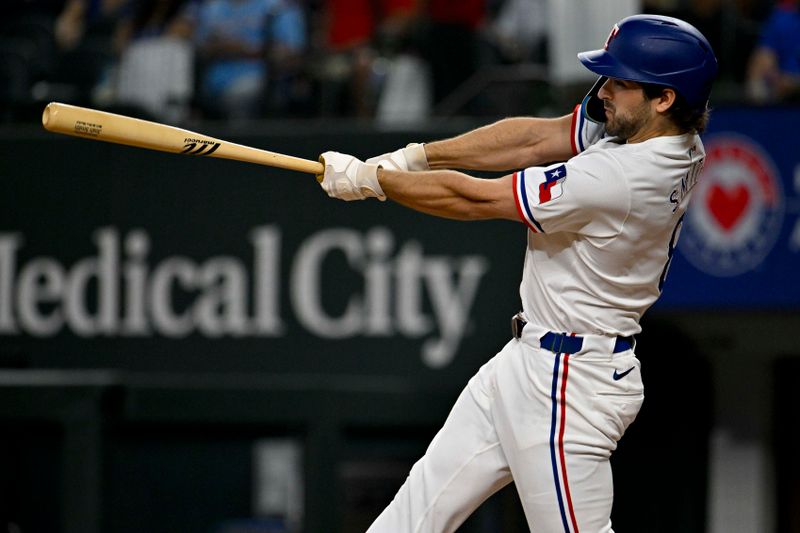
point(548, 421)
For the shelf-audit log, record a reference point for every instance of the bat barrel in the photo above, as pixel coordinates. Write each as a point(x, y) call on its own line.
point(46, 116)
point(113, 128)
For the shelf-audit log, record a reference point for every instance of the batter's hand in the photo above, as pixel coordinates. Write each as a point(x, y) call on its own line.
point(348, 178)
point(412, 157)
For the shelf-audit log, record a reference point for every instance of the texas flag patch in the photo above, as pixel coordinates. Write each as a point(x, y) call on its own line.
point(534, 187)
point(550, 188)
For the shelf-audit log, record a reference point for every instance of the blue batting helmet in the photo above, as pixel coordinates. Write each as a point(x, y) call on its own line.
point(660, 50)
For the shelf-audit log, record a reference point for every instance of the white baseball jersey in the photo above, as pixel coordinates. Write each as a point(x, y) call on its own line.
point(603, 228)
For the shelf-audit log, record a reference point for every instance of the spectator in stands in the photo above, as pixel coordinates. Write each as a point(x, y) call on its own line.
point(240, 44)
point(81, 17)
point(518, 31)
point(774, 68)
point(452, 47)
point(355, 35)
point(149, 18)
point(155, 68)
point(83, 33)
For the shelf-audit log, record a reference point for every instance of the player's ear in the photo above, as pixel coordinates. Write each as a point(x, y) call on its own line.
point(666, 99)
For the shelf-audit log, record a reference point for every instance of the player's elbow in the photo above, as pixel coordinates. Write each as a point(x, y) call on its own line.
point(548, 140)
point(471, 198)
point(485, 209)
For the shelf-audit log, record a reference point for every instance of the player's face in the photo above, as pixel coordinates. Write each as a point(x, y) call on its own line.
point(627, 109)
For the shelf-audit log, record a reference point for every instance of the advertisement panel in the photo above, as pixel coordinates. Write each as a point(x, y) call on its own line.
point(118, 257)
point(740, 243)
point(114, 257)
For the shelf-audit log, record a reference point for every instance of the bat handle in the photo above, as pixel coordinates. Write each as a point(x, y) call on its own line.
point(321, 175)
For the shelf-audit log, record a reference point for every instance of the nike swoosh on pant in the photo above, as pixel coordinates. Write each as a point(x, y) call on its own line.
point(619, 375)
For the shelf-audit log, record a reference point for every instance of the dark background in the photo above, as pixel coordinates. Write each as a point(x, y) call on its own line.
point(125, 434)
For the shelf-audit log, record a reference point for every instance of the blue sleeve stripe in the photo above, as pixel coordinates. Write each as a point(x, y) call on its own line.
point(524, 200)
point(581, 120)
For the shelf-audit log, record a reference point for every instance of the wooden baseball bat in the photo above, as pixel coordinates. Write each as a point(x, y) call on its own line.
point(110, 127)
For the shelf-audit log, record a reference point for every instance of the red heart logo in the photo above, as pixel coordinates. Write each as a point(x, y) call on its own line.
point(728, 204)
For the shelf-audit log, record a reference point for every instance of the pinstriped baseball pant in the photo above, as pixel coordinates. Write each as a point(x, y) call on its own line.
point(546, 421)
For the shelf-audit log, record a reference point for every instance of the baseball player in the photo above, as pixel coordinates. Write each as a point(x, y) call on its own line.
point(548, 410)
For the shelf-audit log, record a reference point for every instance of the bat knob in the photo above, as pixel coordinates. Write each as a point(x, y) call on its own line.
point(321, 177)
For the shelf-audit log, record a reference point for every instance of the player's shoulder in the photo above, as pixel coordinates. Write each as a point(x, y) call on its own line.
point(600, 175)
point(618, 165)
point(599, 158)
point(656, 149)
point(667, 147)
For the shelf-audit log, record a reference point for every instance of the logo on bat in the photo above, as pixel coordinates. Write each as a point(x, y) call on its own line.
point(88, 128)
point(199, 147)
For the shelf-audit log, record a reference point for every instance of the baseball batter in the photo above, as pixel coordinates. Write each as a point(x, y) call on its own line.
point(548, 410)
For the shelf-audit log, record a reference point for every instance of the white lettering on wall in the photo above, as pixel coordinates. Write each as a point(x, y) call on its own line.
point(121, 292)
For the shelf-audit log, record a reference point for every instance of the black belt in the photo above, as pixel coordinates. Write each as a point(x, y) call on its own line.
point(563, 343)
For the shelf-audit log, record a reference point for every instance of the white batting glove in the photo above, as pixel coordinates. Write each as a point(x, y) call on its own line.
point(348, 178)
point(412, 157)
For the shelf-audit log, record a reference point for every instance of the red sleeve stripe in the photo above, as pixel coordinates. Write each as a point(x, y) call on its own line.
point(521, 203)
point(573, 129)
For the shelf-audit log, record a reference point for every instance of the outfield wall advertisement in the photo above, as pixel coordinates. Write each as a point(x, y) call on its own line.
point(119, 257)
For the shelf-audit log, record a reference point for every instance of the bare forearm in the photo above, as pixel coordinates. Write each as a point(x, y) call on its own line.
point(450, 194)
point(508, 144)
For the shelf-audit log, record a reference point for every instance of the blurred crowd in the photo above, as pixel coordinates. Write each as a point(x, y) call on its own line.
point(393, 60)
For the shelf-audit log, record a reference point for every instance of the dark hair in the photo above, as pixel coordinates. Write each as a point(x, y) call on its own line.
point(687, 118)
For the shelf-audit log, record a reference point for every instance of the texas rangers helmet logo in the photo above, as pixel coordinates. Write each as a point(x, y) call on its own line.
point(550, 188)
point(611, 36)
point(736, 211)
